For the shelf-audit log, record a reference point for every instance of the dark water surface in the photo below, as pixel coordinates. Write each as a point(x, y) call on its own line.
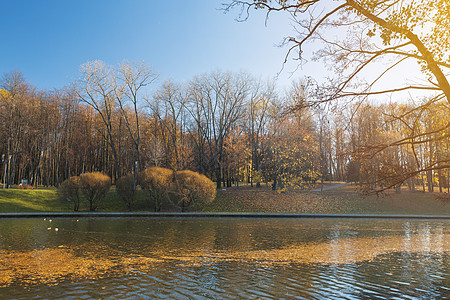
point(217, 258)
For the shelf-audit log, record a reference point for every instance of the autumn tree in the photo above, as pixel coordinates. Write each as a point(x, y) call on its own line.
point(94, 186)
point(157, 182)
point(260, 99)
point(16, 92)
point(237, 157)
point(381, 36)
point(377, 158)
point(96, 89)
point(129, 81)
point(169, 106)
point(216, 103)
point(126, 189)
point(290, 152)
point(70, 190)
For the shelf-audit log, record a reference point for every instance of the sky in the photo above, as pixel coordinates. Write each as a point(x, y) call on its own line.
point(49, 40)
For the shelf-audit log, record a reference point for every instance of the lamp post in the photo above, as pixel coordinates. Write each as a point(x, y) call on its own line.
point(5, 161)
point(4, 176)
point(135, 175)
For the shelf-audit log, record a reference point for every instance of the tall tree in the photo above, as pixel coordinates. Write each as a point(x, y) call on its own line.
point(381, 35)
point(216, 103)
point(129, 82)
point(14, 114)
point(96, 89)
point(261, 97)
point(169, 107)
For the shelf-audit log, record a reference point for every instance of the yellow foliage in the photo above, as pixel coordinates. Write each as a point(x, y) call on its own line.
point(70, 189)
point(158, 182)
point(94, 187)
point(155, 178)
point(4, 93)
point(194, 188)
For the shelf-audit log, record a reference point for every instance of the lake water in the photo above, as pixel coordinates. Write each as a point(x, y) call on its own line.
point(224, 258)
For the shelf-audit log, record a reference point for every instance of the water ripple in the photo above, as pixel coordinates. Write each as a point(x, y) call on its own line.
point(270, 259)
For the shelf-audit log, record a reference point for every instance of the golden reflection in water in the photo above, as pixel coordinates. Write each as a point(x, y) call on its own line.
point(88, 261)
point(48, 266)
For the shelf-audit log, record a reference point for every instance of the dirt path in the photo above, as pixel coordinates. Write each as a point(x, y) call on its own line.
point(326, 188)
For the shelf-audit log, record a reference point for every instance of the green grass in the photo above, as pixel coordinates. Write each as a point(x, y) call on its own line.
point(113, 203)
point(46, 200)
point(15, 200)
point(345, 200)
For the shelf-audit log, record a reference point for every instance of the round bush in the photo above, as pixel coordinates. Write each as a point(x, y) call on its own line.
point(70, 190)
point(94, 186)
point(158, 182)
point(193, 189)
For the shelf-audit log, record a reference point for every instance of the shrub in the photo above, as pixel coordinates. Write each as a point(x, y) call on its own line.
point(193, 189)
point(126, 189)
point(157, 181)
point(94, 186)
point(70, 190)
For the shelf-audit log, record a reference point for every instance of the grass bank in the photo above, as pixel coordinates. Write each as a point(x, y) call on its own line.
point(343, 200)
point(46, 200)
point(15, 200)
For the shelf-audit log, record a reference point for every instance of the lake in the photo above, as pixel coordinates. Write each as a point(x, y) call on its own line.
point(224, 258)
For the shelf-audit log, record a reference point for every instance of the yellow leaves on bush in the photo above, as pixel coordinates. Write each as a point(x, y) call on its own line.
point(4, 93)
point(194, 188)
point(187, 187)
point(94, 187)
point(70, 189)
point(155, 178)
point(158, 182)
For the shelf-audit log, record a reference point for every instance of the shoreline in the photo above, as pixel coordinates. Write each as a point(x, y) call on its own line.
point(211, 215)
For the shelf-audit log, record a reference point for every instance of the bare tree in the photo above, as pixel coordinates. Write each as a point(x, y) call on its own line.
point(216, 103)
point(260, 99)
point(169, 107)
point(129, 82)
point(15, 116)
point(96, 88)
point(381, 35)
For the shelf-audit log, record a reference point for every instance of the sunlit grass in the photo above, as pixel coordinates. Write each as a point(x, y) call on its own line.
point(47, 200)
point(344, 200)
point(14, 200)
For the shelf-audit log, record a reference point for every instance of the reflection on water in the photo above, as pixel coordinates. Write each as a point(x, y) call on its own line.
point(224, 258)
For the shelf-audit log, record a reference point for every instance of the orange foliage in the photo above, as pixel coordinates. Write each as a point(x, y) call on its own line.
point(193, 188)
point(25, 187)
point(158, 181)
point(94, 187)
point(155, 178)
point(70, 189)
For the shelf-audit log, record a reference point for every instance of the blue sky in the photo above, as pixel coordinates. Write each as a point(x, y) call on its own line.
point(48, 40)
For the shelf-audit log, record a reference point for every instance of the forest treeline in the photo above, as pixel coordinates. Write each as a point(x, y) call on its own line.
point(229, 126)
